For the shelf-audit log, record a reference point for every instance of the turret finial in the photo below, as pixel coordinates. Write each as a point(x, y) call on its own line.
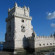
point(25, 7)
point(8, 9)
point(28, 8)
point(16, 4)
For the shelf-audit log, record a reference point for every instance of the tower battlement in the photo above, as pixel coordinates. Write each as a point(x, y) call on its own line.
point(23, 11)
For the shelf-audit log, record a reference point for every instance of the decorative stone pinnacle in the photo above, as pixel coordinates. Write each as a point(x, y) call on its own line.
point(16, 4)
point(28, 8)
point(9, 9)
point(25, 7)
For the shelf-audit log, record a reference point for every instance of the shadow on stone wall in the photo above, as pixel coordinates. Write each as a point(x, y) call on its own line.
point(9, 48)
point(9, 37)
point(28, 43)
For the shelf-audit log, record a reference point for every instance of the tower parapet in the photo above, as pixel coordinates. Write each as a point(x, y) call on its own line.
point(18, 11)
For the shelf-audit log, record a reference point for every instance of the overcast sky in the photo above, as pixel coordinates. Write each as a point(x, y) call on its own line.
point(42, 12)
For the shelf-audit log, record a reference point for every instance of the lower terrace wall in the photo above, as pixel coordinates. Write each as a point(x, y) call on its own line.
point(44, 41)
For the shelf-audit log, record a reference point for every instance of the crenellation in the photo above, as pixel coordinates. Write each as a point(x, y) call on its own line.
point(21, 11)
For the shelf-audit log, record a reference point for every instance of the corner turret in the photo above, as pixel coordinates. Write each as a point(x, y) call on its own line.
point(16, 4)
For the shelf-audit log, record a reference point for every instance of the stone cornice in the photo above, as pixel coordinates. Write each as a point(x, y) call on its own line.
point(19, 16)
point(23, 17)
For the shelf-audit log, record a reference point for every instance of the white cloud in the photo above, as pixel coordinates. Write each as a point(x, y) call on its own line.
point(53, 25)
point(51, 15)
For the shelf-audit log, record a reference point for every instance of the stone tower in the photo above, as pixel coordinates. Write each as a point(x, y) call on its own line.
point(18, 27)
